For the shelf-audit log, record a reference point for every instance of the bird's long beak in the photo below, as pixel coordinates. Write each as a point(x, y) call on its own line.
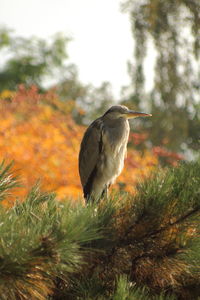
point(134, 114)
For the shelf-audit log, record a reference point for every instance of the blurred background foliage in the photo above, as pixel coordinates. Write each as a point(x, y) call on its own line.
point(172, 28)
point(45, 106)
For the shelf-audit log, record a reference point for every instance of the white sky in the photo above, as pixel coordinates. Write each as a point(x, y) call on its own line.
point(102, 41)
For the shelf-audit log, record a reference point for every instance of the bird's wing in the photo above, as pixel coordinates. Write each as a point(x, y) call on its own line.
point(90, 150)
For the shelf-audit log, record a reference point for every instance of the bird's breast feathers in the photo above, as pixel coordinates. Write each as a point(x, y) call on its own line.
point(114, 151)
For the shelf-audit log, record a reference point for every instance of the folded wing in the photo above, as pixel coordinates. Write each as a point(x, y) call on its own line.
point(90, 150)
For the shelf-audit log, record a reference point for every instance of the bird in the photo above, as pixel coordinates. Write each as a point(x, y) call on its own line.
point(103, 150)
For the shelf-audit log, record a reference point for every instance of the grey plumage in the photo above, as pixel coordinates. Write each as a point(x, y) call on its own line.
point(103, 149)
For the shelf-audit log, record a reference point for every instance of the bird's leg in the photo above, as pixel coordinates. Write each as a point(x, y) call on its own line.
point(105, 192)
point(89, 199)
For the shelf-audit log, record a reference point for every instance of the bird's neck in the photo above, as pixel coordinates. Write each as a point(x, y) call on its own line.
point(117, 128)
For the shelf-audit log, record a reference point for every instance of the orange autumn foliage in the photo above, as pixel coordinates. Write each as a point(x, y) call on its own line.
point(37, 132)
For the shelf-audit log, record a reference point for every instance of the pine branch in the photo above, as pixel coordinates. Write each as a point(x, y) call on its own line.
point(171, 224)
point(154, 233)
point(68, 251)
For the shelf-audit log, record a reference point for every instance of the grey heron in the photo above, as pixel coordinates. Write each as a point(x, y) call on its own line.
point(103, 149)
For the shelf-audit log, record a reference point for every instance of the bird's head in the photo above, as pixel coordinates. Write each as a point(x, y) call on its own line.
point(121, 111)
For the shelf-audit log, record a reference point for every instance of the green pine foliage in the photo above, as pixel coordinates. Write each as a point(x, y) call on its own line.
point(127, 291)
point(126, 247)
point(7, 180)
